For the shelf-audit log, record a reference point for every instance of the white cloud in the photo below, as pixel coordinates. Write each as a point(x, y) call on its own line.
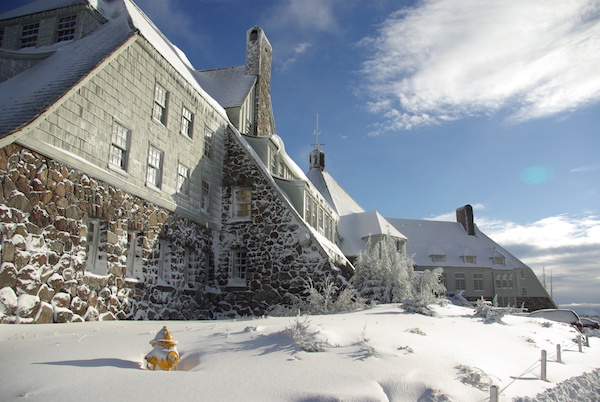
point(567, 246)
point(449, 59)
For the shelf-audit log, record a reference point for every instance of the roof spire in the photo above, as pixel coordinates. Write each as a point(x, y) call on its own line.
point(317, 157)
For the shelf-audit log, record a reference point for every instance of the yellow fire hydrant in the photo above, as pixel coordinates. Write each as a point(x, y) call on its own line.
point(164, 356)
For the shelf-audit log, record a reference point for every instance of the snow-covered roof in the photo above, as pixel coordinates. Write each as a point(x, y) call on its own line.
point(28, 94)
point(354, 228)
point(452, 241)
point(41, 6)
point(228, 86)
point(333, 192)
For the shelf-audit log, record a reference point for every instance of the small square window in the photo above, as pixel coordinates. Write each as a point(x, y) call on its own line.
point(183, 179)
point(161, 97)
point(155, 162)
point(66, 28)
point(187, 122)
point(119, 149)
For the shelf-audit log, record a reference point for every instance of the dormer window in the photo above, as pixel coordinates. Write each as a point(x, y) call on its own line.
point(29, 35)
point(66, 28)
point(438, 258)
point(499, 260)
point(469, 259)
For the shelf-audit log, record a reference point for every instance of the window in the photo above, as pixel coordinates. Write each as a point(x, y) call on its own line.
point(478, 282)
point(498, 281)
point(438, 258)
point(504, 281)
point(208, 138)
point(498, 260)
point(523, 291)
point(187, 122)
point(239, 264)
point(66, 28)
point(522, 274)
point(161, 257)
point(205, 196)
point(119, 148)
point(161, 97)
point(242, 203)
point(510, 281)
point(96, 247)
point(154, 172)
point(183, 179)
point(29, 35)
point(469, 259)
point(460, 281)
point(134, 257)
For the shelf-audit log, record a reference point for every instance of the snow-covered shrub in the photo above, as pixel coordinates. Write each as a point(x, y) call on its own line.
point(325, 299)
point(304, 336)
point(490, 312)
point(383, 274)
point(420, 304)
point(417, 331)
point(474, 376)
point(367, 349)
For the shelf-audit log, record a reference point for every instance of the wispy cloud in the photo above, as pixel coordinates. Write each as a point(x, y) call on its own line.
point(298, 50)
point(306, 15)
point(449, 59)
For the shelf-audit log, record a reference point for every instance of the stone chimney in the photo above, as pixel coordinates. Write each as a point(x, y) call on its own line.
point(258, 63)
point(464, 216)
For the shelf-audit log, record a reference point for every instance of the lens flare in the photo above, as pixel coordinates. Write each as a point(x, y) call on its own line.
point(537, 174)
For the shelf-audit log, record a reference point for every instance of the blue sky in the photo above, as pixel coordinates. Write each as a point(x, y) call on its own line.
point(425, 106)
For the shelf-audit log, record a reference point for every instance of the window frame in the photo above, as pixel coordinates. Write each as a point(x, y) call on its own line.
point(208, 143)
point(460, 281)
point(238, 267)
point(478, 282)
point(160, 104)
point(187, 123)
point(438, 257)
point(241, 203)
point(122, 149)
point(29, 34)
point(157, 169)
point(205, 196)
point(183, 179)
point(95, 231)
point(67, 30)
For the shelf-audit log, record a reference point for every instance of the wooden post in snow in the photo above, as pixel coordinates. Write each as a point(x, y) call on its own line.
point(558, 354)
point(544, 360)
point(494, 393)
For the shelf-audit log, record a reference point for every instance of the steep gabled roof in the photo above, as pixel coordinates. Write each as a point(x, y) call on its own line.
point(30, 93)
point(451, 240)
point(228, 86)
point(333, 192)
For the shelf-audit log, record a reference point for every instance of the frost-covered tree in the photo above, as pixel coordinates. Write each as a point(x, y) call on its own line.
point(429, 284)
point(383, 274)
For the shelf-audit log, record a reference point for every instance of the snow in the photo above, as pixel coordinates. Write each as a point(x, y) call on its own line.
point(379, 354)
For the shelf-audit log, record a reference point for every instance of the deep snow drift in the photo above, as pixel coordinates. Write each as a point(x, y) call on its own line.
point(379, 354)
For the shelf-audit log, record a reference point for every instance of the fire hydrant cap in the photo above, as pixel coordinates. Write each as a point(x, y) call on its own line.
point(164, 335)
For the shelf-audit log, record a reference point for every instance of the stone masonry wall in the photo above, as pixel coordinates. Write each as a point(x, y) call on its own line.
point(278, 264)
point(45, 208)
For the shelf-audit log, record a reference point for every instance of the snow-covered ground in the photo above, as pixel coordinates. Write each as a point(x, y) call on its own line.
point(379, 354)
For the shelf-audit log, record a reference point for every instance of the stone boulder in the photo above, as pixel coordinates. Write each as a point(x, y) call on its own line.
point(8, 301)
point(27, 305)
point(44, 314)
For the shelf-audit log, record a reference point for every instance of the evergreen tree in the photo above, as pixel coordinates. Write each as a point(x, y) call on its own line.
point(383, 274)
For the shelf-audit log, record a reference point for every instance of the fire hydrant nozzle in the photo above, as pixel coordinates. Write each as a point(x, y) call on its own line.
point(164, 356)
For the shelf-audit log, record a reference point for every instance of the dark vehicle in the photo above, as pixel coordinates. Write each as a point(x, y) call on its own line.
point(559, 315)
point(587, 323)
